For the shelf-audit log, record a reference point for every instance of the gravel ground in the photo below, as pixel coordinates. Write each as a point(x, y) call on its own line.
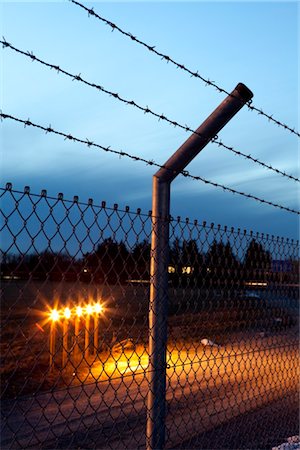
point(254, 430)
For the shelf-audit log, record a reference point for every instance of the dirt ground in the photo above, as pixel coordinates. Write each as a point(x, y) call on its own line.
point(122, 337)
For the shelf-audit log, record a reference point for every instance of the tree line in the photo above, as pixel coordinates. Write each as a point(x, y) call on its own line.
point(113, 262)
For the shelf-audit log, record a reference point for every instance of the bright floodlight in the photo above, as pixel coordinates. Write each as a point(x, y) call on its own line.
point(98, 308)
point(54, 315)
point(67, 313)
point(89, 309)
point(79, 311)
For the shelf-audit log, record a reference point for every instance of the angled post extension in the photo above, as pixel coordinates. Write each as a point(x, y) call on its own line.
point(160, 252)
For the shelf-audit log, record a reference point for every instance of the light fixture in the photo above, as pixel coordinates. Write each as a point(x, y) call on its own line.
point(54, 315)
point(98, 308)
point(67, 313)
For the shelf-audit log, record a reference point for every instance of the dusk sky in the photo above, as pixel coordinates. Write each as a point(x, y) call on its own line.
point(255, 43)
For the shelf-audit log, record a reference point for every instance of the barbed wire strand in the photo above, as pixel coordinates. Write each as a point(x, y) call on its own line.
point(148, 110)
point(121, 153)
point(192, 73)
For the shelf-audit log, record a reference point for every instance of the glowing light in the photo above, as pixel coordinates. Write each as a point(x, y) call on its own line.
point(85, 270)
point(171, 269)
point(54, 315)
point(67, 313)
point(39, 327)
point(98, 308)
point(89, 309)
point(79, 311)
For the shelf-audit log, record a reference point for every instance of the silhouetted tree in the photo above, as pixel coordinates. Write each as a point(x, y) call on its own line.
point(175, 253)
point(190, 253)
point(222, 265)
point(175, 263)
point(257, 262)
point(187, 263)
point(140, 261)
point(109, 263)
point(193, 263)
point(10, 264)
point(41, 266)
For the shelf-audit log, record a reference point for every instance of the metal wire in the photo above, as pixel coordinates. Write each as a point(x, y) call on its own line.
point(185, 173)
point(148, 110)
point(228, 356)
point(192, 73)
point(80, 380)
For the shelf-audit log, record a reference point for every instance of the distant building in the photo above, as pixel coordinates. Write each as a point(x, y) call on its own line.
point(282, 266)
point(285, 271)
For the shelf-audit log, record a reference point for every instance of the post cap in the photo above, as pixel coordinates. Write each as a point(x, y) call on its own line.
point(244, 92)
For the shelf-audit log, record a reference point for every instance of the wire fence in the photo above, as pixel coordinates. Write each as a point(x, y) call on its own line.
point(78, 368)
point(74, 329)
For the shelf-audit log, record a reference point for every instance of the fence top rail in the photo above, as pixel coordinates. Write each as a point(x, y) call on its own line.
point(138, 212)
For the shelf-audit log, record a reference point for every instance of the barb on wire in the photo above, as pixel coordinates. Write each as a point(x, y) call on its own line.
point(192, 73)
point(185, 173)
point(148, 110)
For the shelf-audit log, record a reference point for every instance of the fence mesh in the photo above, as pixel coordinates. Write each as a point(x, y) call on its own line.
point(74, 329)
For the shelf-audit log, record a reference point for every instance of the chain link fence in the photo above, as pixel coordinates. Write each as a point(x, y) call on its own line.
point(74, 329)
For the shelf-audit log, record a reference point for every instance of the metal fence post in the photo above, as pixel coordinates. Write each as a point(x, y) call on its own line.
point(159, 257)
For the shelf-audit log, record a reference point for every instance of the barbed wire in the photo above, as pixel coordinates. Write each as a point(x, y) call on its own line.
point(148, 110)
point(192, 73)
point(121, 153)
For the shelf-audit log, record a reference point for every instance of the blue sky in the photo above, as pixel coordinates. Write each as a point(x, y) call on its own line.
point(255, 43)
